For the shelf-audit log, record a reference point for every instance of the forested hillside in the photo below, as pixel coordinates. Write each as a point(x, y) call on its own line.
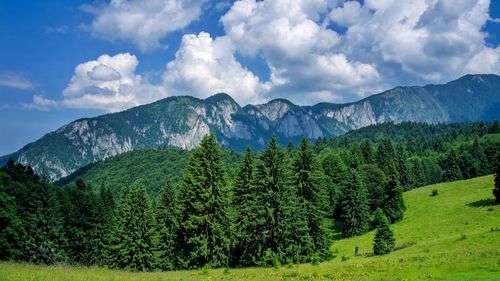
point(277, 206)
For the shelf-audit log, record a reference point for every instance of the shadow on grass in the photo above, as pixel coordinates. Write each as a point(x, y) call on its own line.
point(482, 203)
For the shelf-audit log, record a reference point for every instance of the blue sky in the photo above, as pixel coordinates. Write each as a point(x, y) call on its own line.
point(62, 60)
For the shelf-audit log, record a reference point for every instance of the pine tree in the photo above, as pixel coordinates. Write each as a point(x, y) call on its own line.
point(367, 152)
point(384, 241)
point(309, 182)
point(103, 218)
point(282, 234)
point(496, 189)
point(335, 172)
point(402, 168)
point(136, 230)
point(167, 216)
point(480, 161)
point(356, 158)
point(246, 207)
point(386, 158)
point(374, 180)
point(12, 233)
point(355, 206)
point(451, 170)
point(207, 221)
point(394, 206)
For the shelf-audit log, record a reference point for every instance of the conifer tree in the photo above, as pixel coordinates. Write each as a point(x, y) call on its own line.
point(367, 152)
point(310, 184)
point(355, 206)
point(207, 220)
point(167, 216)
point(402, 168)
point(496, 189)
point(451, 170)
point(246, 207)
point(136, 229)
point(102, 230)
point(12, 232)
point(480, 161)
point(394, 206)
point(335, 173)
point(386, 158)
point(356, 158)
point(384, 241)
point(374, 180)
point(282, 232)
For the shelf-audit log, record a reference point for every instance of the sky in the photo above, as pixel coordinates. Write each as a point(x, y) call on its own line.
point(62, 60)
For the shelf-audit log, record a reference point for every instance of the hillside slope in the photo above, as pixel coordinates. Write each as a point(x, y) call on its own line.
point(451, 236)
point(183, 121)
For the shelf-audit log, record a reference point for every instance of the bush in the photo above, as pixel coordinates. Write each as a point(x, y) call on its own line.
point(434, 192)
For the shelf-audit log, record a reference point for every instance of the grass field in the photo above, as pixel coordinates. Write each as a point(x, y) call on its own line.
point(452, 236)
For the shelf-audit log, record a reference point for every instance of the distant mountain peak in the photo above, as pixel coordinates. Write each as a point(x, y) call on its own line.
point(182, 121)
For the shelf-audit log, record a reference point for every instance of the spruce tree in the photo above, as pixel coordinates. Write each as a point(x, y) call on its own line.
point(496, 189)
point(12, 233)
point(402, 168)
point(282, 234)
point(355, 206)
point(167, 216)
point(207, 220)
point(451, 169)
point(394, 206)
point(374, 180)
point(356, 158)
point(335, 173)
point(136, 229)
point(367, 152)
point(101, 233)
point(384, 241)
point(310, 184)
point(246, 207)
point(386, 158)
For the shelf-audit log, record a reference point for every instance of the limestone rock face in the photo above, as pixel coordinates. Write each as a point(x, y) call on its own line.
point(183, 121)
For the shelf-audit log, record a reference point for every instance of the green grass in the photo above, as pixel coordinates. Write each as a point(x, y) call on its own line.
point(452, 236)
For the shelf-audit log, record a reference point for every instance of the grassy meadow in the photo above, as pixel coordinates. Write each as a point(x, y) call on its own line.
point(454, 235)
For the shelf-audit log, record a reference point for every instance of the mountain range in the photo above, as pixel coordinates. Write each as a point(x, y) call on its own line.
point(182, 121)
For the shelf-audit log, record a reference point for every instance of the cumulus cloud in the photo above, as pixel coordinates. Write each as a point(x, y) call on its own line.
point(428, 39)
point(12, 80)
point(144, 22)
point(204, 66)
point(108, 83)
point(299, 48)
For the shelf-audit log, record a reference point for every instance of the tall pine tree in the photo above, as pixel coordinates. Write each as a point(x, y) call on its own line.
point(310, 184)
point(136, 230)
point(386, 158)
point(394, 206)
point(496, 189)
point(355, 206)
point(384, 241)
point(167, 216)
point(207, 219)
point(335, 172)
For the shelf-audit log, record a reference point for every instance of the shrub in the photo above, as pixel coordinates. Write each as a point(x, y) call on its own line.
point(435, 192)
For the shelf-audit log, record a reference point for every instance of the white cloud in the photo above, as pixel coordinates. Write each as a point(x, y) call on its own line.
point(428, 39)
point(144, 22)
point(301, 51)
point(204, 66)
point(11, 80)
point(108, 83)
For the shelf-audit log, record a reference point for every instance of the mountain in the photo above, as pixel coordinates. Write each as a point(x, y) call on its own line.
point(183, 120)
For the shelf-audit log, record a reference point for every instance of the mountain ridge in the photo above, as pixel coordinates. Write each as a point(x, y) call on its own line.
point(181, 121)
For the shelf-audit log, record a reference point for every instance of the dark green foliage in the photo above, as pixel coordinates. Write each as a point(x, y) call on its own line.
point(246, 207)
point(313, 198)
point(386, 158)
point(451, 169)
point(374, 180)
point(402, 168)
point(367, 151)
point(167, 219)
point(136, 230)
point(496, 189)
point(355, 206)
point(394, 206)
point(384, 241)
point(11, 228)
point(335, 171)
point(282, 230)
point(206, 219)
